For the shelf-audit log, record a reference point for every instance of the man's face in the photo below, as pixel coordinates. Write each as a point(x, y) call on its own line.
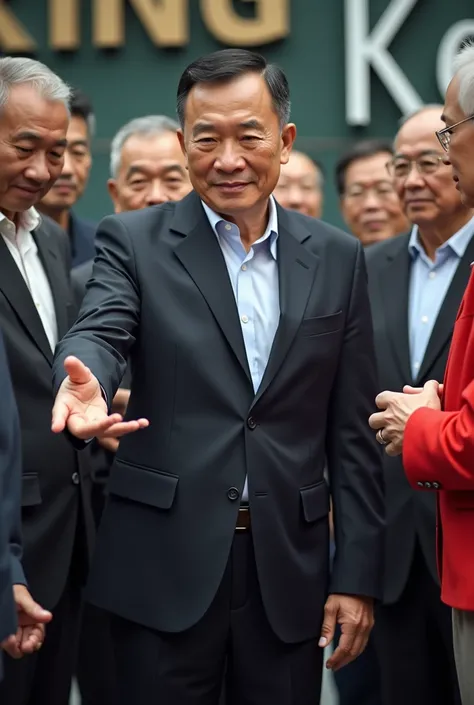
point(77, 163)
point(32, 144)
point(152, 171)
point(369, 204)
point(299, 186)
point(428, 198)
point(461, 146)
point(233, 144)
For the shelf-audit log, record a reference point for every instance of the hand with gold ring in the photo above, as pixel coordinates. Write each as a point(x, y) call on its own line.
point(379, 437)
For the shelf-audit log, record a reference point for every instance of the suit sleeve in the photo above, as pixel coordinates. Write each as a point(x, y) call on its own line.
point(104, 331)
point(354, 457)
point(10, 470)
point(439, 447)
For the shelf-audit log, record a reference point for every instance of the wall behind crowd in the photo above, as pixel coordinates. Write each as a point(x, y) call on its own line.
point(141, 78)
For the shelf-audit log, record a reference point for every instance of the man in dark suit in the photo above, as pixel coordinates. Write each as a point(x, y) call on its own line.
point(35, 307)
point(249, 332)
point(72, 182)
point(416, 285)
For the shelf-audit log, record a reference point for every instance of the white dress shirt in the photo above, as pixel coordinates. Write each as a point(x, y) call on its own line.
point(22, 247)
point(254, 279)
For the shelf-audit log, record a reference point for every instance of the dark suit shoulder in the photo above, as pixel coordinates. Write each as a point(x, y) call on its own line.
point(322, 234)
point(49, 228)
point(81, 274)
point(387, 249)
point(152, 216)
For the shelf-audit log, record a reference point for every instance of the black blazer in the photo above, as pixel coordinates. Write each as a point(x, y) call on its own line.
point(10, 501)
point(161, 293)
point(409, 514)
point(53, 480)
point(81, 238)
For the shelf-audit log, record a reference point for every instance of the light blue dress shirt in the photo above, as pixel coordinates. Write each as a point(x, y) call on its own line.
point(429, 284)
point(254, 279)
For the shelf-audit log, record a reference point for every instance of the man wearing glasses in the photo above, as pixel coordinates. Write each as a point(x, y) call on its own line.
point(434, 426)
point(416, 284)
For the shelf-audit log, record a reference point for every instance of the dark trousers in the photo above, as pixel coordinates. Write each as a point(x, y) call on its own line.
point(95, 669)
point(233, 643)
point(44, 678)
point(413, 638)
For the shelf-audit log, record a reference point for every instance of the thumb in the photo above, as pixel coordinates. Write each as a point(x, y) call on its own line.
point(408, 389)
point(32, 609)
point(78, 373)
point(432, 386)
point(329, 625)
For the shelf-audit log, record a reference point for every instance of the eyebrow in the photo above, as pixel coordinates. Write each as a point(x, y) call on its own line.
point(78, 143)
point(33, 137)
point(137, 169)
point(251, 124)
point(424, 153)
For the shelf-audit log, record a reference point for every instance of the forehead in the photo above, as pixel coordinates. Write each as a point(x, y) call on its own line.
point(368, 169)
point(26, 110)
point(418, 134)
point(299, 165)
point(152, 149)
point(230, 101)
point(77, 129)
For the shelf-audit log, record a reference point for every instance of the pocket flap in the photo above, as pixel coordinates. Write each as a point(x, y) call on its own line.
point(141, 484)
point(315, 501)
point(321, 324)
point(30, 490)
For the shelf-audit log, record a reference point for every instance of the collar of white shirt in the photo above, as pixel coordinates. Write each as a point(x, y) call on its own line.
point(270, 231)
point(457, 243)
point(29, 220)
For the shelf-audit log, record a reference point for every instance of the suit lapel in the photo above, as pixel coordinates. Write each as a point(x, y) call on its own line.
point(394, 284)
point(297, 267)
point(443, 327)
point(55, 273)
point(200, 254)
point(15, 290)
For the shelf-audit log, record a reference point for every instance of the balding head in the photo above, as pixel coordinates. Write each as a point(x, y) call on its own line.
point(300, 185)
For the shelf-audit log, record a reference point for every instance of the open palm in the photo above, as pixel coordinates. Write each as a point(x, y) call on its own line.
point(81, 408)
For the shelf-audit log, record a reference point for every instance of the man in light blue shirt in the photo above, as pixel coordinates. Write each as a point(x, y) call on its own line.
point(416, 284)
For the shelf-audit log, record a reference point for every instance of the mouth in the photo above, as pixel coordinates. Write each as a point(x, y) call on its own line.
point(29, 190)
point(374, 225)
point(63, 188)
point(232, 186)
point(415, 202)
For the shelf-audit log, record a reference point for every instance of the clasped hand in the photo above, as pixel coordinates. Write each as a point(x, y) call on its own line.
point(81, 408)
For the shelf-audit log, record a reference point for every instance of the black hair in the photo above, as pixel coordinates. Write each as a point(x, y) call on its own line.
point(223, 66)
point(360, 150)
point(80, 106)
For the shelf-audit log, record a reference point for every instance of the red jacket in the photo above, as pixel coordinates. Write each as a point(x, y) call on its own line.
point(438, 454)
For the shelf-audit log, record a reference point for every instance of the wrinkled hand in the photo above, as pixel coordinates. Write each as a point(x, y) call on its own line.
point(397, 407)
point(81, 408)
point(32, 619)
point(355, 615)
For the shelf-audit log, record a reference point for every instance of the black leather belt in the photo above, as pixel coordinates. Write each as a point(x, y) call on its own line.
point(243, 519)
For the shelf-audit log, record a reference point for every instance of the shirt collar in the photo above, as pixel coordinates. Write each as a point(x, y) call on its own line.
point(29, 220)
point(271, 231)
point(457, 243)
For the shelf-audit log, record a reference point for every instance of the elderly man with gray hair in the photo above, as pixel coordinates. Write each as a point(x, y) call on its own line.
point(34, 314)
point(434, 426)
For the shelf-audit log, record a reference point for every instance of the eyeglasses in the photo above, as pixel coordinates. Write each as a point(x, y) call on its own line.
point(444, 135)
point(400, 167)
point(382, 190)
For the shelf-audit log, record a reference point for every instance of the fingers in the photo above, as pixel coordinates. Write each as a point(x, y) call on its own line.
point(329, 623)
point(351, 645)
point(29, 611)
point(78, 373)
point(11, 645)
point(110, 444)
point(377, 421)
point(59, 416)
point(118, 430)
point(408, 389)
point(84, 427)
point(32, 638)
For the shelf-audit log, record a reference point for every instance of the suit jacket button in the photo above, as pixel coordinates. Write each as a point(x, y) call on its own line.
point(75, 478)
point(428, 485)
point(233, 494)
point(251, 423)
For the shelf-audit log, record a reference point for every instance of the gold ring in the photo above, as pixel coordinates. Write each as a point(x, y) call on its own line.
point(379, 437)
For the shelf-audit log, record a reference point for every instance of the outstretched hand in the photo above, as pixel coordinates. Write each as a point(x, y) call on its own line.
point(81, 408)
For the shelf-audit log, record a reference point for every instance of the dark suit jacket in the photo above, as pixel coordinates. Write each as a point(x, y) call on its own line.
point(161, 293)
point(53, 480)
point(409, 514)
point(10, 501)
point(81, 238)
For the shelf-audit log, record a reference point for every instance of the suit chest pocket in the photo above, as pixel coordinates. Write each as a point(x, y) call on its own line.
point(321, 325)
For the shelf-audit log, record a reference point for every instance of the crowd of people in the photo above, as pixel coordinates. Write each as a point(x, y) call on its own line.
point(206, 507)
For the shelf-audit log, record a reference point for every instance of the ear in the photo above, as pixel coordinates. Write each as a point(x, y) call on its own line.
point(180, 135)
point(288, 135)
point(113, 193)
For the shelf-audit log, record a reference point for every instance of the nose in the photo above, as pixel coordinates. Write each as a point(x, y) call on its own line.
point(413, 179)
point(38, 169)
point(371, 200)
point(229, 158)
point(446, 160)
point(295, 196)
point(156, 194)
point(67, 166)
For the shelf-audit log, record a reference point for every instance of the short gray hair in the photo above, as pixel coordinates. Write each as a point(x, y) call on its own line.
point(144, 126)
point(15, 71)
point(464, 70)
